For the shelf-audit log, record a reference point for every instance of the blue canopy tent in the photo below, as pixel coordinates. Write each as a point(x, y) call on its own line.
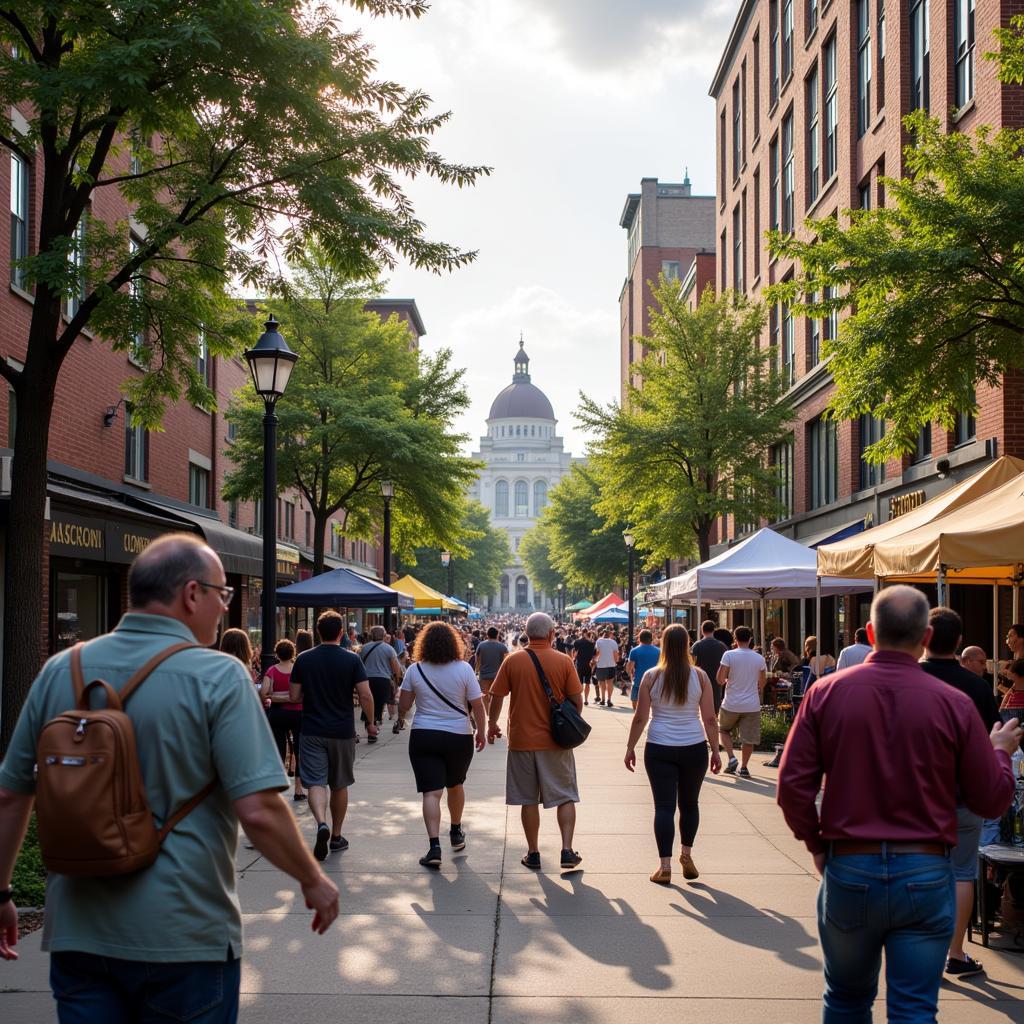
point(344, 589)
point(613, 616)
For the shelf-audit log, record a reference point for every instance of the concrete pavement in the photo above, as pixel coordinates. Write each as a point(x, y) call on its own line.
point(487, 941)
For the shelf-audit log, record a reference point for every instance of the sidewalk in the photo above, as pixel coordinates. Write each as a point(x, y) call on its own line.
point(486, 941)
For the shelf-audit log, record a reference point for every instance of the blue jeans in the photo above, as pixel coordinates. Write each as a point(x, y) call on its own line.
point(92, 989)
point(902, 903)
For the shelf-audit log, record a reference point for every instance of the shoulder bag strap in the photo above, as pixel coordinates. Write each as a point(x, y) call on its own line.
point(543, 678)
point(438, 694)
point(364, 652)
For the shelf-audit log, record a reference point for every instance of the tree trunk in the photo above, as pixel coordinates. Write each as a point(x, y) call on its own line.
point(704, 540)
point(319, 526)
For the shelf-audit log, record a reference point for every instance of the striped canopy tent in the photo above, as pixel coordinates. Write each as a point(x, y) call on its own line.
point(608, 601)
point(427, 600)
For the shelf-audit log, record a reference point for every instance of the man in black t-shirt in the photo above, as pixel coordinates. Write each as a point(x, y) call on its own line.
point(707, 653)
point(324, 680)
point(585, 650)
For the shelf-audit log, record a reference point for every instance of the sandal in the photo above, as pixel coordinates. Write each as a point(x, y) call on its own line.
point(690, 871)
point(663, 876)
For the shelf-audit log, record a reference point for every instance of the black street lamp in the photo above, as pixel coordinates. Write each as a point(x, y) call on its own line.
point(627, 536)
point(446, 561)
point(270, 363)
point(469, 598)
point(387, 491)
point(558, 602)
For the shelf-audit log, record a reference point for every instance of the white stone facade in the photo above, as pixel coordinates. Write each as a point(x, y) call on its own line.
point(524, 459)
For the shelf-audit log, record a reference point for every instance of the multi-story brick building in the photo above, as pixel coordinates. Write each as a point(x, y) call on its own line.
point(666, 227)
point(810, 98)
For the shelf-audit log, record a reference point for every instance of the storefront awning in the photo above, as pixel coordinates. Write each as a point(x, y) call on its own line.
point(834, 534)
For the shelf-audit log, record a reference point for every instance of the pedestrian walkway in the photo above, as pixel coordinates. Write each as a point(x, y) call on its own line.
point(486, 941)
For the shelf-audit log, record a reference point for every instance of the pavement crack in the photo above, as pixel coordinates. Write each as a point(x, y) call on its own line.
point(497, 926)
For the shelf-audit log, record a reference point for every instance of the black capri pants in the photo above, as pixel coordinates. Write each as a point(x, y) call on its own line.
point(285, 722)
point(440, 760)
point(675, 775)
point(380, 690)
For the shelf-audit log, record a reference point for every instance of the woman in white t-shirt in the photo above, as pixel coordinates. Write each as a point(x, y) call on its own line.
point(677, 698)
point(448, 701)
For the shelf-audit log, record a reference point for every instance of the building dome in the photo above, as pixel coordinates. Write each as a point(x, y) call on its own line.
point(521, 399)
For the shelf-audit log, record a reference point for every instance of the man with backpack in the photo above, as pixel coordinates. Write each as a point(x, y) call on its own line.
point(195, 744)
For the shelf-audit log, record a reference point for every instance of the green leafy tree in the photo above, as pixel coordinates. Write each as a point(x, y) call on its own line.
point(360, 408)
point(536, 549)
point(479, 554)
point(933, 281)
point(691, 445)
point(251, 125)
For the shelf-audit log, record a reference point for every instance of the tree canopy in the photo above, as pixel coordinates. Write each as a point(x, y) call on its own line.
point(691, 443)
point(536, 549)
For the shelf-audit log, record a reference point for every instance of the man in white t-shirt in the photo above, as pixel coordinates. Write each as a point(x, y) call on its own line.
point(857, 653)
point(743, 673)
point(607, 659)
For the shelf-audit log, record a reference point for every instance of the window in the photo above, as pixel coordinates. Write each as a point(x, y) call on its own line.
point(787, 174)
point(863, 66)
point(198, 485)
point(831, 321)
point(920, 55)
point(289, 520)
point(737, 126)
point(309, 528)
point(19, 218)
point(864, 195)
point(540, 497)
point(813, 339)
point(963, 50)
point(823, 459)
point(880, 88)
point(737, 250)
point(757, 224)
point(966, 428)
point(773, 337)
point(872, 430)
point(743, 105)
point(723, 268)
point(923, 448)
point(757, 85)
point(782, 460)
point(136, 448)
point(522, 492)
point(520, 456)
point(831, 90)
point(670, 268)
point(501, 498)
point(721, 155)
point(504, 591)
point(743, 240)
point(76, 261)
point(813, 140)
point(773, 199)
point(788, 351)
point(232, 430)
point(203, 357)
point(773, 55)
point(812, 17)
point(233, 513)
point(12, 416)
point(136, 293)
point(787, 39)
point(257, 520)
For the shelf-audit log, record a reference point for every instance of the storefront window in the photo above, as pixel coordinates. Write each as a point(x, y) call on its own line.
point(80, 608)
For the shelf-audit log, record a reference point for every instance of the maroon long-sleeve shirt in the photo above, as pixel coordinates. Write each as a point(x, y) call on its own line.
point(895, 745)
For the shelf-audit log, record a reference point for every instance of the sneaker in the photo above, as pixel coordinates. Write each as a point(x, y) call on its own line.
point(433, 857)
point(532, 860)
point(570, 859)
point(744, 773)
point(323, 837)
point(298, 797)
point(338, 843)
point(965, 968)
point(457, 837)
point(371, 739)
point(586, 703)
point(396, 728)
point(730, 768)
point(608, 704)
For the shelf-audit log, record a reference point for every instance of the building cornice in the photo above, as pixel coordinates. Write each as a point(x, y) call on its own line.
point(739, 28)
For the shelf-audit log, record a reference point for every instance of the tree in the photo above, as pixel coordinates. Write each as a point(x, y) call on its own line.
point(691, 445)
point(933, 281)
point(360, 408)
point(251, 125)
point(479, 554)
point(536, 549)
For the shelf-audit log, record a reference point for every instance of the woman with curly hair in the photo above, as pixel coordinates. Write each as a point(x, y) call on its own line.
point(448, 702)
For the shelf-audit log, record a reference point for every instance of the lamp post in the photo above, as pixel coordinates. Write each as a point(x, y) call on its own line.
point(469, 598)
point(446, 561)
point(558, 602)
point(627, 536)
point(387, 492)
point(270, 363)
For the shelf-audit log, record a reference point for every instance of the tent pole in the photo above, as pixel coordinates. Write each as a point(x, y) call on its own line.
point(940, 585)
point(995, 627)
point(762, 634)
point(803, 620)
point(697, 625)
point(817, 615)
point(1016, 603)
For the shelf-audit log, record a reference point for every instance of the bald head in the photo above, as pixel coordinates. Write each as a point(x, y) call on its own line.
point(974, 659)
point(159, 573)
point(899, 620)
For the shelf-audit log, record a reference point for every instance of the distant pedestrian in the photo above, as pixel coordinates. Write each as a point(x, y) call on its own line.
point(707, 653)
point(743, 673)
point(585, 654)
point(894, 746)
point(819, 664)
point(490, 653)
point(383, 670)
point(643, 657)
point(448, 705)
point(236, 643)
point(677, 697)
point(607, 660)
point(284, 715)
point(537, 770)
point(857, 653)
point(324, 680)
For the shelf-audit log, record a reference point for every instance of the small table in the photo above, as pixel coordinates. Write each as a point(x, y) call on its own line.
point(1001, 856)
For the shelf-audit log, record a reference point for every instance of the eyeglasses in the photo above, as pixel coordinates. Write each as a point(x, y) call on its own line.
point(226, 593)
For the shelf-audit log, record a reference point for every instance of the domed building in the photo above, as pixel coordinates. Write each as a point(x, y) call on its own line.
point(523, 459)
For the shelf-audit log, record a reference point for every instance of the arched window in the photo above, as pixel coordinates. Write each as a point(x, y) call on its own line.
point(517, 430)
point(540, 497)
point(522, 507)
point(504, 591)
point(533, 431)
point(521, 592)
point(501, 498)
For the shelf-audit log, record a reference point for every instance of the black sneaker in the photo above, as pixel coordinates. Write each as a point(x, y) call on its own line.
point(744, 773)
point(457, 837)
point(323, 837)
point(532, 860)
point(433, 857)
point(730, 768)
point(570, 859)
point(371, 739)
point(965, 968)
point(338, 843)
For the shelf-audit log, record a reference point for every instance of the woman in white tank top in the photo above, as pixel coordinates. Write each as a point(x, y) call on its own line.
point(676, 698)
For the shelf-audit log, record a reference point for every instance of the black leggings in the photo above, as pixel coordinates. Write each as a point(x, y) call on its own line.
point(380, 689)
point(675, 774)
point(285, 722)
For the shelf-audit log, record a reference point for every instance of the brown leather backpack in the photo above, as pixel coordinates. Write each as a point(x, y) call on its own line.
point(92, 812)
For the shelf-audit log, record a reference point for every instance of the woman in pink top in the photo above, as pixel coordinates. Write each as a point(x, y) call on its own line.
point(285, 717)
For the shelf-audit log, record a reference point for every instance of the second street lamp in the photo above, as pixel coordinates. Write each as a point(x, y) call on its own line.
point(387, 491)
point(627, 536)
point(558, 602)
point(469, 598)
point(270, 363)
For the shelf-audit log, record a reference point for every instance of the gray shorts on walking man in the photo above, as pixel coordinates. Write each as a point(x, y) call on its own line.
point(325, 761)
point(545, 777)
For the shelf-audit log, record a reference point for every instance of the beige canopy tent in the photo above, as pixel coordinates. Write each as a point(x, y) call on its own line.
point(855, 555)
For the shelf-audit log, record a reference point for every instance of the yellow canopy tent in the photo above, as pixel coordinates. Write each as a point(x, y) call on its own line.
point(855, 555)
point(426, 598)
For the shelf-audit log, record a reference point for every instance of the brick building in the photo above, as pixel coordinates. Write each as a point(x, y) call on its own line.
point(810, 97)
point(112, 487)
point(666, 227)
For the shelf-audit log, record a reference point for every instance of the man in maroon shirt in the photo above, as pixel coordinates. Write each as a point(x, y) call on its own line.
point(895, 745)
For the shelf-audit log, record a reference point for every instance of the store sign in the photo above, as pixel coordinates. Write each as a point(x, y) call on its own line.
point(287, 562)
point(126, 541)
point(76, 536)
point(901, 504)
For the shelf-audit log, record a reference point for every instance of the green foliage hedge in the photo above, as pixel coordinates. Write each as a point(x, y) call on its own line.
point(29, 879)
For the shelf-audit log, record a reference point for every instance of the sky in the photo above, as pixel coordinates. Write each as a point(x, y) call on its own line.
point(571, 102)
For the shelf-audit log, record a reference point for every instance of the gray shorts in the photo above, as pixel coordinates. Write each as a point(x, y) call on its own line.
point(545, 777)
point(325, 761)
point(602, 675)
point(964, 856)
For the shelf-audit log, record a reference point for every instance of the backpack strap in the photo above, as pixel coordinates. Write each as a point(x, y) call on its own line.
point(140, 676)
point(185, 809)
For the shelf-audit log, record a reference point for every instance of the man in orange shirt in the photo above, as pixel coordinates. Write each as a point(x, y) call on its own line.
point(538, 770)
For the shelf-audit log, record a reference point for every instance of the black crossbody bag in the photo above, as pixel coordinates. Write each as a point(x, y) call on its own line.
point(568, 727)
point(437, 693)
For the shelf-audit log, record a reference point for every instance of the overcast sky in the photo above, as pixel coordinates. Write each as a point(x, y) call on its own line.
point(571, 102)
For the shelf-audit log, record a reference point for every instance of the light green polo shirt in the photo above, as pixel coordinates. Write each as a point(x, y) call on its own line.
point(196, 717)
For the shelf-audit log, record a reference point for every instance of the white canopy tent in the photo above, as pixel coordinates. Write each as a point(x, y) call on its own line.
point(765, 565)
